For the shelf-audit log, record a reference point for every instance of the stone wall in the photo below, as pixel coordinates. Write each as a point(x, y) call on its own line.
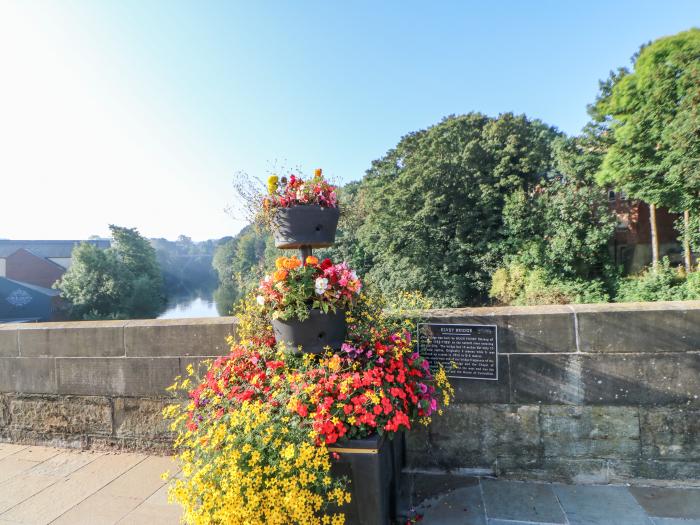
point(98, 384)
point(586, 393)
point(597, 393)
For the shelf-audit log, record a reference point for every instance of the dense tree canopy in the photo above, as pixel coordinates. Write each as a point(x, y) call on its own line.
point(432, 206)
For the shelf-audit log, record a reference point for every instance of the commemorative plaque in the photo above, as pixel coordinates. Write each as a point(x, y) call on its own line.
point(464, 350)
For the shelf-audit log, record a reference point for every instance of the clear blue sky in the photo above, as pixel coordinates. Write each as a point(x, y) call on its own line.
point(138, 113)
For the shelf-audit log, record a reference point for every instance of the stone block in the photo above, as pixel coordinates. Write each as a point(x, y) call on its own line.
point(532, 329)
point(670, 433)
point(4, 412)
point(641, 471)
point(8, 342)
point(30, 375)
point(569, 470)
point(475, 436)
point(551, 379)
point(65, 415)
point(639, 327)
point(590, 432)
point(482, 390)
point(642, 379)
point(141, 418)
point(116, 376)
point(178, 337)
point(76, 339)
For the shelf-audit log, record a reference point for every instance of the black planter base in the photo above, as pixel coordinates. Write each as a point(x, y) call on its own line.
point(373, 466)
point(313, 334)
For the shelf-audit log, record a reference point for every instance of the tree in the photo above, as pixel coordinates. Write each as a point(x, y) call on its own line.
point(96, 284)
point(560, 228)
point(123, 281)
point(638, 107)
point(432, 205)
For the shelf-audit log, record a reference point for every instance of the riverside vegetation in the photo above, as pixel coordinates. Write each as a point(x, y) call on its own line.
point(507, 209)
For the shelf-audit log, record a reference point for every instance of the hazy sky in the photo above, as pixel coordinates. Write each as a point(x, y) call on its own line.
point(139, 113)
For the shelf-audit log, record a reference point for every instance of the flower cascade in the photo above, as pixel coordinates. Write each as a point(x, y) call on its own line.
point(294, 191)
point(253, 432)
point(294, 288)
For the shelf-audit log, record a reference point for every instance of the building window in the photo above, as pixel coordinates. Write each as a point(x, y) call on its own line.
point(611, 196)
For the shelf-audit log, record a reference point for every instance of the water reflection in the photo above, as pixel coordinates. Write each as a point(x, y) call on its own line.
point(200, 303)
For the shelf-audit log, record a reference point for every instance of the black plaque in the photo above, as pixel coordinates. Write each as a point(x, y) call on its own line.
point(464, 350)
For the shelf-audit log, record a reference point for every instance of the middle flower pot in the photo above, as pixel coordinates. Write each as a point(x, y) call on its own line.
point(315, 333)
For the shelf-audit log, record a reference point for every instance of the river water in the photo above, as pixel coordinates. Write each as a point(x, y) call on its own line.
point(188, 307)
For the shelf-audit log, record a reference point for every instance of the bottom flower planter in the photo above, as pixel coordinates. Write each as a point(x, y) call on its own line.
point(373, 467)
point(313, 334)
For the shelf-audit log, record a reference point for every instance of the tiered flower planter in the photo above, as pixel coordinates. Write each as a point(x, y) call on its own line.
point(373, 465)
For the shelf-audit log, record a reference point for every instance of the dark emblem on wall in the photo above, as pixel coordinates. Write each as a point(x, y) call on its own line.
point(464, 350)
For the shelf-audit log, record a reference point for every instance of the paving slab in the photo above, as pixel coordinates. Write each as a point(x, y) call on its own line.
point(37, 453)
point(668, 502)
point(58, 498)
point(98, 509)
point(15, 491)
point(521, 501)
point(7, 449)
point(64, 464)
point(600, 505)
point(11, 466)
point(152, 514)
point(458, 507)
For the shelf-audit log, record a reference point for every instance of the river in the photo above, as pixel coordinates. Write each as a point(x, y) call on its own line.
point(202, 305)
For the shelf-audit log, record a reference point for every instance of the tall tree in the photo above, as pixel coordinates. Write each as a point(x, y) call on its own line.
point(638, 106)
point(433, 203)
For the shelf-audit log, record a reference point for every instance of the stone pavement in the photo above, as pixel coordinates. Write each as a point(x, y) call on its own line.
point(41, 485)
point(452, 500)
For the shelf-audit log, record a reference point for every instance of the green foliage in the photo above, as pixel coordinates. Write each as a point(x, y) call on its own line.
point(647, 112)
point(562, 228)
point(665, 284)
point(515, 284)
point(432, 206)
point(123, 281)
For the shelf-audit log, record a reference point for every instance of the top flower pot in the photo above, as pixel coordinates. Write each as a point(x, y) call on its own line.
point(305, 225)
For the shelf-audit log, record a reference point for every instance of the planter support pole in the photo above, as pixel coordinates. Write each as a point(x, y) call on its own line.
point(305, 252)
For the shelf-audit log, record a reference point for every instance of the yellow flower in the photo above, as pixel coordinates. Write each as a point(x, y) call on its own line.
point(272, 184)
point(318, 172)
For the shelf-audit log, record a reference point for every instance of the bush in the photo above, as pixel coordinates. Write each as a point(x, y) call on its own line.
point(517, 285)
point(667, 283)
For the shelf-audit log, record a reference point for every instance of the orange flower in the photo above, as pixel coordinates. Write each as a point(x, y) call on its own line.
point(279, 263)
point(291, 263)
point(318, 172)
point(279, 275)
point(312, 260)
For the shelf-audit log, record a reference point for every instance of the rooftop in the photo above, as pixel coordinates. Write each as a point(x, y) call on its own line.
point(50, 248)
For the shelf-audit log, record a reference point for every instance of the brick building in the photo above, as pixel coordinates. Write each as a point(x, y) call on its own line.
point(28, 270)
point(631, 244)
